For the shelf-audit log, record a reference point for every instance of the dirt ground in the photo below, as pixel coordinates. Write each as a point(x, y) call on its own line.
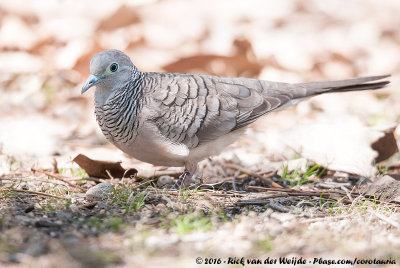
point(305, 186)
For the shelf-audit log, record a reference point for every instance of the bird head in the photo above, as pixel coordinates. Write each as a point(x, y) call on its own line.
point(109, 69)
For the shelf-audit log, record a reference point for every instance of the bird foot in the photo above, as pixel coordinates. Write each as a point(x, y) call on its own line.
point(185, 180)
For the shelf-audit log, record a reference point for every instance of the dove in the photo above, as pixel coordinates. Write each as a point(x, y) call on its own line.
point(178, 119)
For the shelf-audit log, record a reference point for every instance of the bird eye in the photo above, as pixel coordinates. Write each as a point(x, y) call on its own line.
point(114, 67)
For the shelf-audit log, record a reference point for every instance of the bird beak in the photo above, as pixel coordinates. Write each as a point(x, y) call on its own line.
point(91, 81)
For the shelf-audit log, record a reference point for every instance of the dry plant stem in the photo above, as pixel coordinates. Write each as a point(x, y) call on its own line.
point(259, 202)
point(347, 193)
point(327, 218)
point(248, 172)
point(298, 191)
point(292, 192)
point(55, 182)
point(278, 207)
point(87, 179)
point(59, 177)
point(35, 193)
point(270, 189)
point(176, 193)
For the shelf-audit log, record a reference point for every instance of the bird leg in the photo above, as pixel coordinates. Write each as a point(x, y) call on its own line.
point(188, 177)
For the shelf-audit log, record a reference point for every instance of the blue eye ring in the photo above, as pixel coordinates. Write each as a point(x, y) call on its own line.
point(114, 67)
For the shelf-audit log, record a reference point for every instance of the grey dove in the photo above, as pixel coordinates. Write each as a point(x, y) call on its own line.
point(177, 119)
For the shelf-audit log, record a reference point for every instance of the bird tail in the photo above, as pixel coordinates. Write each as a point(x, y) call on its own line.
point(353, 84)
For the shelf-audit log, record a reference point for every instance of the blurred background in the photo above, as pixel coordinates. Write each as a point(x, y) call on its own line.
point(46, 47)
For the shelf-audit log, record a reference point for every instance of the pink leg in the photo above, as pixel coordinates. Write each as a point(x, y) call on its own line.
point(188, 176)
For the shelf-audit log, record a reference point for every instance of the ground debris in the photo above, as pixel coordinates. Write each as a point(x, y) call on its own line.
point(103, 169)
point(385, 188)
point(99, 192)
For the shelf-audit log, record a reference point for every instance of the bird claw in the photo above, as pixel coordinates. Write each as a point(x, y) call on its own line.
point(185, 180)
point(181, 181)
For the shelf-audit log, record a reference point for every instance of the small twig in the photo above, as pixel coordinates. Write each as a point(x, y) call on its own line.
point(278, 207)
point(237, 173)
point(347, 193)
point(265, 189)
point(264, 201)
point(196, 193)
point(394, 166)
point(55, 182)
point(254, 202)
point(248, 172)
point(59, 177)
point(326, 218)
point(109, 175)
point(55, 166)
point(292, 192)
point(234, 184)
point(35, 193)
point(148, 181)
point(87, 179)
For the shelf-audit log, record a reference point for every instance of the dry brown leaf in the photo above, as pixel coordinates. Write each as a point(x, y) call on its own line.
point(386, 146)
point(98, 169)
point(215, 64)
point(242, 63)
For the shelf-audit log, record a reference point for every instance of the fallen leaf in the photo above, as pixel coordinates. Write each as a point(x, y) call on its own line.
point(98, 169)
point(242, 63)
point(386, 146)
point(215, 64)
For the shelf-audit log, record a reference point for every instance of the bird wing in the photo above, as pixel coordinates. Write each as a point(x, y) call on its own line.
point(195, 109)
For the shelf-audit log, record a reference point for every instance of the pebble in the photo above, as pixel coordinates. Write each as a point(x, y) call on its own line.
point(29, 208)
point(46, 224)
point(161, 206)
point(165, 180)
point(102, 212)
point(99, 192)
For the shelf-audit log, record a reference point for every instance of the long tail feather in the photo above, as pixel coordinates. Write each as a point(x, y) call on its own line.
point(354, 84)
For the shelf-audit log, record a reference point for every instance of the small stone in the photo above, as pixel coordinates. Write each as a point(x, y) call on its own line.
point(161, 206)
point(99, 192)
point(165, 180)
point(102, 212)
point(152, 221)
point(46, 224)
point(29, 208)
point(101, 205)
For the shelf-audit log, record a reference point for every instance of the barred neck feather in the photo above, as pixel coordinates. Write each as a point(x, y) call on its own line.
point(118, 116)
